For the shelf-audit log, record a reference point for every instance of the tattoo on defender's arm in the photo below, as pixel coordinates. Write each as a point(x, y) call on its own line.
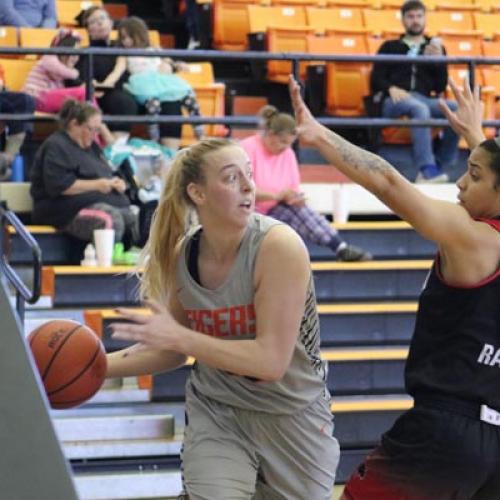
point(356, 157)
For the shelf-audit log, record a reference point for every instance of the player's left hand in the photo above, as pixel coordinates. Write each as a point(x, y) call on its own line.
point(157, 330)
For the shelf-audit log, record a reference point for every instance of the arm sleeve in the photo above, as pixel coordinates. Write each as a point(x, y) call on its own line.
point(58, 172)
point(57, 69)
point(49, 15)
point(9, 16)
point(380, 77)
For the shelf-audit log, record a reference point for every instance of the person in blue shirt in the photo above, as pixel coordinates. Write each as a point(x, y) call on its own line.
point(34, 13)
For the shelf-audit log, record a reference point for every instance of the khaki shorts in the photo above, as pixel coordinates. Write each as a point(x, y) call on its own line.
point(234, 454)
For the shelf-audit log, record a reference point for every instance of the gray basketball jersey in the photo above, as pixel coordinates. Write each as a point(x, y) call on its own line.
point(228, 313)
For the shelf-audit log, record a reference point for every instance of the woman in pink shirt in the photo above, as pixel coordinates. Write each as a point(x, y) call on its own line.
point(277, 181)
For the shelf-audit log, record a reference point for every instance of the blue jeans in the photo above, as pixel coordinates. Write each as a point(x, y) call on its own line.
point(421, 107)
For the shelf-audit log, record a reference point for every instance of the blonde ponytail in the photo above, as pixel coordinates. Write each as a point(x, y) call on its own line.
point(170, 221)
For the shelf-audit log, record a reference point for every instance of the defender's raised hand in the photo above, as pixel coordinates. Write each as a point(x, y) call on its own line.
point(308, 128)
point(466, 121)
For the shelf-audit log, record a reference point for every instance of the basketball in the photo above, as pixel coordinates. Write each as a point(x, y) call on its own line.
point(71, 360)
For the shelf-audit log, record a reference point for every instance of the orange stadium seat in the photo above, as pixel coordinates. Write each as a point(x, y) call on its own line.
point(311, 3)
point(491, 74)
point(286, 40)
point(362, 4)
point(487, 23)
point(452, 20)
point(42, 37)
point(210, 96)
point(488, 5)
point(200, 73)
point(16, 71)
point(8, 36)
point(260, 18)
point(373, 43)
point(348, 41)
point(322, 19)
point(230, 24)
point(461, 45)
point(68, 10)
point(378, 21)
point(346, 83)
point(454, 5)
point(36, 37)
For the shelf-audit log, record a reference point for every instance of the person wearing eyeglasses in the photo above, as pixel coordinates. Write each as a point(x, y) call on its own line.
point(72, 184)
point(115, 100)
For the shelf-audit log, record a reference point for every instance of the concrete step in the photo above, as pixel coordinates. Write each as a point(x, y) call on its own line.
point(129, 485)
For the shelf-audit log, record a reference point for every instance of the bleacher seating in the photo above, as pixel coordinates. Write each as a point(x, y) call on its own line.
point(42, 37)
point(346, 83)
point(230, 25)
point(261, 17)
point(366, 310)
point(16, 71)
point(210, 95)
point(378, 21)
point(68, 10)
point(455, 20)
point(286, 40)
point(8, 36)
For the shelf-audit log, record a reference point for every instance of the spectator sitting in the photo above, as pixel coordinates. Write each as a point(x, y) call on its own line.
point(73, 187)
point(34, 13)
point(114, 101)
point(277, 181)
point(152, 81)
point(13, 102)
point(408, 90)
point(46, 80)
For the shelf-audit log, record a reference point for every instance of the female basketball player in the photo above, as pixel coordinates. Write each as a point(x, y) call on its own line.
point(241, 301)
point(448, 446)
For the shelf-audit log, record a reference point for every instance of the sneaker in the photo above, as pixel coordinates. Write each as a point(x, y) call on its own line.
point(431, 174)
point(351, 253)
point(153, 106)
point(193, 44)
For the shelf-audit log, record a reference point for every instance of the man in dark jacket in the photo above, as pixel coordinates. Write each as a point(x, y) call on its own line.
point(412, 90)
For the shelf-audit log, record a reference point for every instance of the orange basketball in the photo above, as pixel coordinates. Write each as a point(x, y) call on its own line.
point(71, 360)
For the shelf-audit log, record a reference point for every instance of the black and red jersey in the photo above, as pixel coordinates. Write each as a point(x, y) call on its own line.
point(455, 348)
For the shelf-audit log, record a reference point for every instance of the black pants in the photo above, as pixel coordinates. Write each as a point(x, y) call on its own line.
point(173, 108)
point(435, 451)
point(118, 102)
point(17, 102)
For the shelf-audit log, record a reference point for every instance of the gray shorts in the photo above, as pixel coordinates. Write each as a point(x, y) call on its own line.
point(234, 454)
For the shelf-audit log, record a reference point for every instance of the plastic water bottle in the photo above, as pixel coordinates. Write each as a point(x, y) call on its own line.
point(89, 256)
point(18, 169)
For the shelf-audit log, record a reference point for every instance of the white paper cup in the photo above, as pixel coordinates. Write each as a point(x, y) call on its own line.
point(104, 240)
point(340, 209)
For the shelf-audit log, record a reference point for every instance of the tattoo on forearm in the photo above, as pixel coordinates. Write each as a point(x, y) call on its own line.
point(357, 158)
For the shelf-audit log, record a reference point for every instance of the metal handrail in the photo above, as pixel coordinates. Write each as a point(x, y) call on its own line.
point(249, 120)
point(23, 293)
point(294, 57)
